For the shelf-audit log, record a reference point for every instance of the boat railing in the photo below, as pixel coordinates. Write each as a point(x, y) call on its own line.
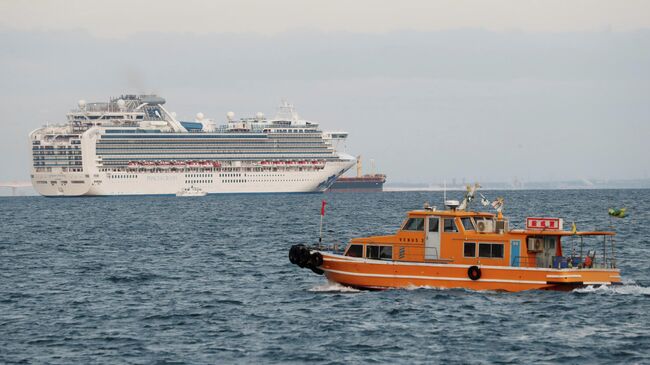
point(601, 254)
point(524, 261)
point(565, 262)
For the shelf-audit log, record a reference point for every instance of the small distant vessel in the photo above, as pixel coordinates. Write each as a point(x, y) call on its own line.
point(191, 191)
point(361, 183)
point(459, 248)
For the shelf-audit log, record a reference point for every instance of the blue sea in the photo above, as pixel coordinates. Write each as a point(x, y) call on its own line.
point(166, 280)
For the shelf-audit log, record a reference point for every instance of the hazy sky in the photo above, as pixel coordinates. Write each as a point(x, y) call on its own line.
point(119, 18)
point(432, 90)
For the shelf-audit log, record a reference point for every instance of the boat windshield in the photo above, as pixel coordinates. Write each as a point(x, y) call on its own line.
point(355, 251)
point(467, 224)
point(414, 224)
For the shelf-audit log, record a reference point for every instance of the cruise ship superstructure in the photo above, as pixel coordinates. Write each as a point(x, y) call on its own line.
point(133, 146)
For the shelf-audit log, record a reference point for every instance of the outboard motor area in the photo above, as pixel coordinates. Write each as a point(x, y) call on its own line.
point(303, 256)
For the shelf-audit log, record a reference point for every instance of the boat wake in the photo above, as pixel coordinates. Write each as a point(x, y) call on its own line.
point(630, 288)
point(424, 287)
point(332, 287)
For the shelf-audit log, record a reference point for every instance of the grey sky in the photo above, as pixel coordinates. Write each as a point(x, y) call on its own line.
point(430, 90)
point(118, 18)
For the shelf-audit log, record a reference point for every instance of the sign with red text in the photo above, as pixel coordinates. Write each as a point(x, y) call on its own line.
point(544, 223)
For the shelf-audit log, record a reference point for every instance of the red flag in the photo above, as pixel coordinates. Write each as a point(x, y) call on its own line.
point(322, 208)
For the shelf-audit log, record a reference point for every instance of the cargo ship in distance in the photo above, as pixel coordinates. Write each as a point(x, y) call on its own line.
point(132, 145)
point(361, 183)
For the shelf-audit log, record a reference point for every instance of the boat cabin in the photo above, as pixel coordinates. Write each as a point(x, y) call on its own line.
point(480, 238)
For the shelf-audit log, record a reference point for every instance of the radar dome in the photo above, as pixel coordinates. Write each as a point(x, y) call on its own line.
point(230, 115)
point(82, 104)
point(199, 116)
point(259, 115)
point(174, 115)
point(121, 104)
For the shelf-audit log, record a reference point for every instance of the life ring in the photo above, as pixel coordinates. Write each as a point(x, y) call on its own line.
point(474, 272)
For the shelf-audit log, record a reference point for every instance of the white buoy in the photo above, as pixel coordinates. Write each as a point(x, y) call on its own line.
point(230, 115)
point(199, 116)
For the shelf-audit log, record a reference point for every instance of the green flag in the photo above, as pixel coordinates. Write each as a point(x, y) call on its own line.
point(618, 213)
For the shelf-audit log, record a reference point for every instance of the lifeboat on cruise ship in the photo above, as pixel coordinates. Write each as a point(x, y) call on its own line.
point(179, 163)
point(206, 164)
point(216, 164)
point(193, 164)
point(133, 164)
point(459, 248)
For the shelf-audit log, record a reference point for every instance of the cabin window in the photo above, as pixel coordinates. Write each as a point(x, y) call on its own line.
point(490, 250)
point(467, 224)
point(414, 224)
point(469, 249)
point(433, 225)
point(379, 252)
point(450, 225)
point(355, 251)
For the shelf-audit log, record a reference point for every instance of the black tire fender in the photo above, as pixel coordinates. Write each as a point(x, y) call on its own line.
point(303, 256)
point(317, 270)
point(316, 259)
point(292, 254)
point(474, 272)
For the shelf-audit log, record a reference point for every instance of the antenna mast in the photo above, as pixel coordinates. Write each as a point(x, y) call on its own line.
point(444, 191)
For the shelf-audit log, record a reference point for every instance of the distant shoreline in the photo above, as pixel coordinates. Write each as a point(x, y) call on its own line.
point(393, 189)
point(397, 189)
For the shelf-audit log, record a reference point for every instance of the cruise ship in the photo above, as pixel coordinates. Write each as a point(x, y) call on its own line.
point(132, 145)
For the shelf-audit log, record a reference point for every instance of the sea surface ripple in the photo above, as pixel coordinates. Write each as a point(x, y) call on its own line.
point(166, 280)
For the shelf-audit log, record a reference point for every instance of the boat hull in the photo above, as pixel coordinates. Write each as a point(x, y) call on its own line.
point(170, 182)
point(385, 274)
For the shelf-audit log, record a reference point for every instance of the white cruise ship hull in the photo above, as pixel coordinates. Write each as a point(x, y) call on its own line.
point(169, 183)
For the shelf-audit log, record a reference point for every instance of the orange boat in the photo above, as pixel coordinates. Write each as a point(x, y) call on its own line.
point(457, 248)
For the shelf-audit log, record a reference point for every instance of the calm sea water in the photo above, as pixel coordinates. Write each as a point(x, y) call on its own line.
point(165, 280)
